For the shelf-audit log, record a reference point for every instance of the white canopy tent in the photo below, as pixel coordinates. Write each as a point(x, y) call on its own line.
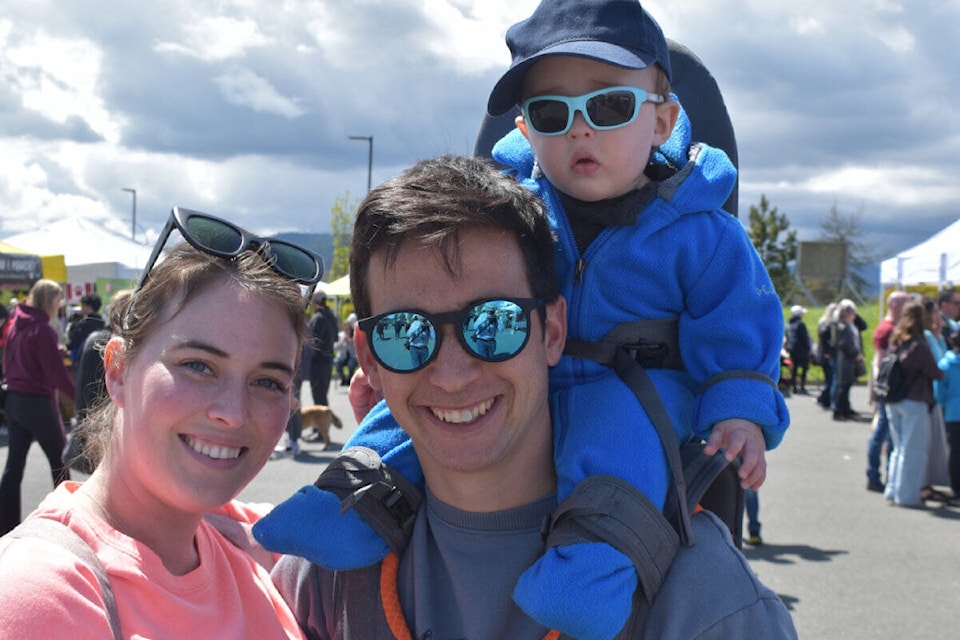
point(935, 261)
point(339, 288)
point(89, 250)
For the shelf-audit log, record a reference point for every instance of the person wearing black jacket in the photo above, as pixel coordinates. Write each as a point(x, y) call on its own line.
point(90, 321)
point(847, 354)
point(323, 334)
point(799, 346)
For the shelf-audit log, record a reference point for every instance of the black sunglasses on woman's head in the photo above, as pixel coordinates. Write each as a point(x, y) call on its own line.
point(223, 239)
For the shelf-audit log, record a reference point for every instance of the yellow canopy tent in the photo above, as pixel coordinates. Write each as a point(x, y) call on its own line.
point(54, 267)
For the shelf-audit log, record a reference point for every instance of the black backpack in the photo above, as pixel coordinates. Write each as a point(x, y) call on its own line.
point(891, 384)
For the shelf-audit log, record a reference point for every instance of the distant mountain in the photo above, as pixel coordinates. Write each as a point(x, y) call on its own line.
point(321, 243)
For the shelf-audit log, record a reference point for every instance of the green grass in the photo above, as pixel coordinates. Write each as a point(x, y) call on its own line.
point(869, 312)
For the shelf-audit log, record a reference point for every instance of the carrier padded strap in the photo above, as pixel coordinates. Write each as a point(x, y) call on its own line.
point(713, 483)
point(58, 533)
point(385, 500)
point(608, 509)
point(642, 386)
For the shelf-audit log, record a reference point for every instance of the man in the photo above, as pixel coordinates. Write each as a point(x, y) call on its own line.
point(323, 334)
point(949, 303)
point(881, 426)
point(799, 346)
point(443, 241)
point(90, 321)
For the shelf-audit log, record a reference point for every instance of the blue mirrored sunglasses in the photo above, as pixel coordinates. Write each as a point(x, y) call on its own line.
point(608, 108)
point(491, 330)
point(223, 239)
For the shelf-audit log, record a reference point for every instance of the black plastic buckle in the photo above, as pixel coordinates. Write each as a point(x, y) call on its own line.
point(649, 355)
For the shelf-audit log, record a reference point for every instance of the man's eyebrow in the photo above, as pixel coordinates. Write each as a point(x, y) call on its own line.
point(220, 353)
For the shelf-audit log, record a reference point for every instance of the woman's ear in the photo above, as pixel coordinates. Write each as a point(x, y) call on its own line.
point(113, 366)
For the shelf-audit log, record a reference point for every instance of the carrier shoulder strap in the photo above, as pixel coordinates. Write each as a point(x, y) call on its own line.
point(386, 500)
point(58, 533)
point(624, 348)
point(608, 509)
point(710, 481)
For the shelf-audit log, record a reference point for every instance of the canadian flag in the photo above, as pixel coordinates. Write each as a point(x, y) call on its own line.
point(75, 291)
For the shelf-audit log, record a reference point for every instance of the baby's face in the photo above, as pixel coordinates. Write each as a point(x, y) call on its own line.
point(591, 164)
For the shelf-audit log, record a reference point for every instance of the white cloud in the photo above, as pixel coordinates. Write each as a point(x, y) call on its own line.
point(905, 185)
point(244, 107)
point(245, 88)
point(57, 78)
point(216, 38)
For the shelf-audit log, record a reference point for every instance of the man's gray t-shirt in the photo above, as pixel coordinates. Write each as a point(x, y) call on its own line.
point(709, 592)
point(457, 578)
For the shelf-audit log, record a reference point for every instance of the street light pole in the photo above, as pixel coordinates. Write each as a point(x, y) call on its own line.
point(133, 222)
point(369, 140)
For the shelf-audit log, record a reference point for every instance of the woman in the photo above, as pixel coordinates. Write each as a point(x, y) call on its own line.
point(910, 425)
point(846, 350)
point(938, 470)
point(199, 379)
point(346, 362)
point(825, 348)
point(34, 371)
point(948, 395)
point(91, 390)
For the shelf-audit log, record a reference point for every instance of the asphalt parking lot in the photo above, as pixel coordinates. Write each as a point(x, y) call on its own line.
point(846, 563)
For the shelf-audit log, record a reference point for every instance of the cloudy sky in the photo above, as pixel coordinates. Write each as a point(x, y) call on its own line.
point(244, 108)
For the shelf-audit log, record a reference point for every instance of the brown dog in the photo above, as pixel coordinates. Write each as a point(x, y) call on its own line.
point(319, 417)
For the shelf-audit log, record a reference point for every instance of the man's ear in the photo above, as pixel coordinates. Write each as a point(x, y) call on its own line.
point(113, 366)
point(555, 329)
point(365, 357)
point(666, 114)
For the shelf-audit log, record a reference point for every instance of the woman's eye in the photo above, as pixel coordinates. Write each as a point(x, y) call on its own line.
point(272, 384)
point(196, 366)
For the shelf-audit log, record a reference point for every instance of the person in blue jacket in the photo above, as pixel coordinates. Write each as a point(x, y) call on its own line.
point(641, 237)
point(947, 392)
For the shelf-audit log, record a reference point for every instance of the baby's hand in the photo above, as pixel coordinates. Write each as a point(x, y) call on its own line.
point(745, 439)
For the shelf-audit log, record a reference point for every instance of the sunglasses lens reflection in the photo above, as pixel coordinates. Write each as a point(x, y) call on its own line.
point(492, 331)
point(496, 330)
point(404, 341)
point(294, 261)
point(214, 235)
point(611, 109)
point(548, 116)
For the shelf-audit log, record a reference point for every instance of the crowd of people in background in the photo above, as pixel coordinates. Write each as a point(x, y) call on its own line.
point(920, 434)
point(837, 350)
point(78, 332)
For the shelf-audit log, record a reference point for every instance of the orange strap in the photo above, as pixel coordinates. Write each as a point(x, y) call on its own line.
point(390, 597)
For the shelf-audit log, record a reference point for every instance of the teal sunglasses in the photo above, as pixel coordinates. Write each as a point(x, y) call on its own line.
point(604, 109)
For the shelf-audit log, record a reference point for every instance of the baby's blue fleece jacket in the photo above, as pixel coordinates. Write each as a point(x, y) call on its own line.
point(684, 258)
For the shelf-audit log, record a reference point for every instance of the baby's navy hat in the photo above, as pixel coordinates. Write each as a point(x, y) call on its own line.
point(618, 32)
